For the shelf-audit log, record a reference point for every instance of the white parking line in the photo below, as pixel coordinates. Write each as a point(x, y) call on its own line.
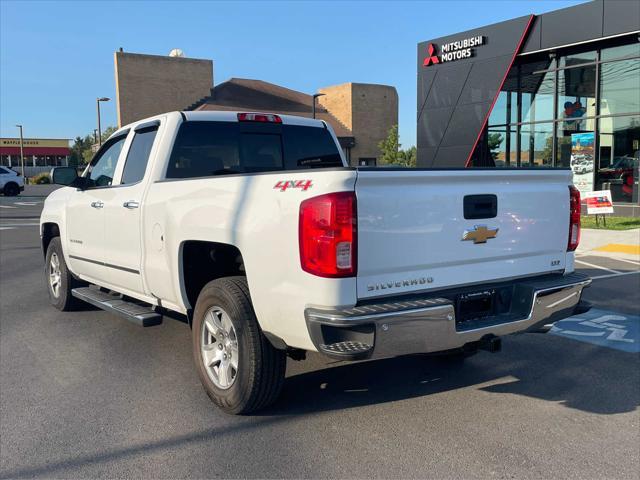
point(597, 277)
point(14, 225)
point(632, 262)
point(7, 206)
point(597, 266)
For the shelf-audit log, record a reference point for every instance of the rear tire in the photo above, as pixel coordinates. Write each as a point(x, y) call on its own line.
point(239, 368)
point(11, 189)
point(59, 280)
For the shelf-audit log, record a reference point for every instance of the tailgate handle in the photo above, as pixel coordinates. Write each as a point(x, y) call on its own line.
point(480, 206)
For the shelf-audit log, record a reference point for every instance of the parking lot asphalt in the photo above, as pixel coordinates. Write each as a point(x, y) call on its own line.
point(86, 394)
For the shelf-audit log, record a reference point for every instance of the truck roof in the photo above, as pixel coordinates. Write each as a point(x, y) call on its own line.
point(223, 116)
point(232, 116)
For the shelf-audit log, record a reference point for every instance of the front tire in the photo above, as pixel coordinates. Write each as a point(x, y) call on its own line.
point(59, 279)
point(11, 189)
point(239, 368)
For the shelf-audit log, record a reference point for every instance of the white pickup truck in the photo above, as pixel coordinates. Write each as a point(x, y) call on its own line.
point(251, 228)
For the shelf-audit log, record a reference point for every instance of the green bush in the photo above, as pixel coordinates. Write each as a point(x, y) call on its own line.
point(41, 179)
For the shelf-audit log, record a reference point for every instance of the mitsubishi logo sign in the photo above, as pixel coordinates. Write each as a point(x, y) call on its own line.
point(431, 57)
point(453, 50)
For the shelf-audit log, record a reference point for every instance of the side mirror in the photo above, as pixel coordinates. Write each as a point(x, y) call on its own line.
point(64, 175)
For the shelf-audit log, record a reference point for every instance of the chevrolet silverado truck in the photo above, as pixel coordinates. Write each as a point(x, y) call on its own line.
point(252, 229)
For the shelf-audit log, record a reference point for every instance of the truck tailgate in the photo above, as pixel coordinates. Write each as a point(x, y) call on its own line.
point(412, 225)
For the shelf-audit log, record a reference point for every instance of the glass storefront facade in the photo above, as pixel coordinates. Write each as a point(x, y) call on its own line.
point(576, 108)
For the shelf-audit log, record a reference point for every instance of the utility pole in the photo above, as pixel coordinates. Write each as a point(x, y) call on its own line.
point(21, 152)
point(98, 100)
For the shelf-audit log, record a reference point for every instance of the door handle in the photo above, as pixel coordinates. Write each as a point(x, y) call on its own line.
point(97, 204)
point(131, 204)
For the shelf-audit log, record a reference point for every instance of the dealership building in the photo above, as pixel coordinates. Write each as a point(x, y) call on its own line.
point(561, 89)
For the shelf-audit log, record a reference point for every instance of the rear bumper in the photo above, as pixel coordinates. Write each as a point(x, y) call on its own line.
point(428, 323)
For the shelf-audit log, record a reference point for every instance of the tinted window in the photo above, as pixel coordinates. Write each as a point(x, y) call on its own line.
point(309, 147)
point(138, 155)
point(216, 148)
point(203, 149)
point(103, 165)
point(261, 152)
point(3, 171)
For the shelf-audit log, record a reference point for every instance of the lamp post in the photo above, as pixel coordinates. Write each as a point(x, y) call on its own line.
point(98, 100)
point(313, 110)
point(21, 151)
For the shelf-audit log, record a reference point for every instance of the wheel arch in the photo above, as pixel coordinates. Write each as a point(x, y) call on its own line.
point(50, 230)
point(203, 261)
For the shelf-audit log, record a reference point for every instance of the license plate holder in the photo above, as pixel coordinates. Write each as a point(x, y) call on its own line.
point(474, 306)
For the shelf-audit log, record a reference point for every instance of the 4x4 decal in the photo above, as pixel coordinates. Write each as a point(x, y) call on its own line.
point(284, 184)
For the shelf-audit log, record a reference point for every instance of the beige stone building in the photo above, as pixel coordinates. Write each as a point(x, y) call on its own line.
point(360, 114)
point(147, 85)
point(367, 110)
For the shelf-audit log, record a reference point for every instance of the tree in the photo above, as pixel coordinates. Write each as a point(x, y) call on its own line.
point(547, 153)
point(107, 133)
point(83, 148)
point(392, 154)
point(389, 147)
point(408, 158)
point(494, 140)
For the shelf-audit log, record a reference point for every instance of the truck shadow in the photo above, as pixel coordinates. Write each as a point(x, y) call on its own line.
point(577, 375)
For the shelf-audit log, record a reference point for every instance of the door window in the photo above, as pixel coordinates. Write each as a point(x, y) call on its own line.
point(138, 156)
point(103, 165)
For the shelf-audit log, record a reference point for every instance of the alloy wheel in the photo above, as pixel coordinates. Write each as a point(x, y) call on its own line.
point(55, 276)
point(219, 348)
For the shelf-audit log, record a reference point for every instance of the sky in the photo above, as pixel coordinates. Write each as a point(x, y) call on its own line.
point(57, 57)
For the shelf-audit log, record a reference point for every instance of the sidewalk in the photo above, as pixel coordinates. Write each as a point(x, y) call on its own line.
point(610, 243)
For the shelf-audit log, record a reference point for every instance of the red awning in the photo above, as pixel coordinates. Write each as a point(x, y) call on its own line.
point(40, 151)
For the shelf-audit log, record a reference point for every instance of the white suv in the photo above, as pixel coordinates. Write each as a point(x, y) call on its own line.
point(11, 183)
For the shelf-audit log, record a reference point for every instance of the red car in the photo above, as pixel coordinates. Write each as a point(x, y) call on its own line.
point(621, 168)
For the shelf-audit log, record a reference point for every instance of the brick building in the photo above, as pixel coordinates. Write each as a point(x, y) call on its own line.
point(360, 114)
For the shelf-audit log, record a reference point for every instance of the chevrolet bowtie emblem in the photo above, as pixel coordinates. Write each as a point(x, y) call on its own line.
point(479, 234)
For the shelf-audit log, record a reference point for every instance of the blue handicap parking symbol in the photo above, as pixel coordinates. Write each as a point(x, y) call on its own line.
point(604, 328)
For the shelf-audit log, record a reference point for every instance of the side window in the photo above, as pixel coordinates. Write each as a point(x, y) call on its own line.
point(3, 171)
point(204, 149)
point(138, 156)
point(100, 172)
point(310, 147)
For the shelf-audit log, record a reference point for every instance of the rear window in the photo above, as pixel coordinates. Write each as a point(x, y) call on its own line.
point(205, 149)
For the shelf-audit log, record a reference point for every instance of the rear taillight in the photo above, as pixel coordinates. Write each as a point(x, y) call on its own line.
point(259, 117)
point(574, 219)
point(327, 235)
